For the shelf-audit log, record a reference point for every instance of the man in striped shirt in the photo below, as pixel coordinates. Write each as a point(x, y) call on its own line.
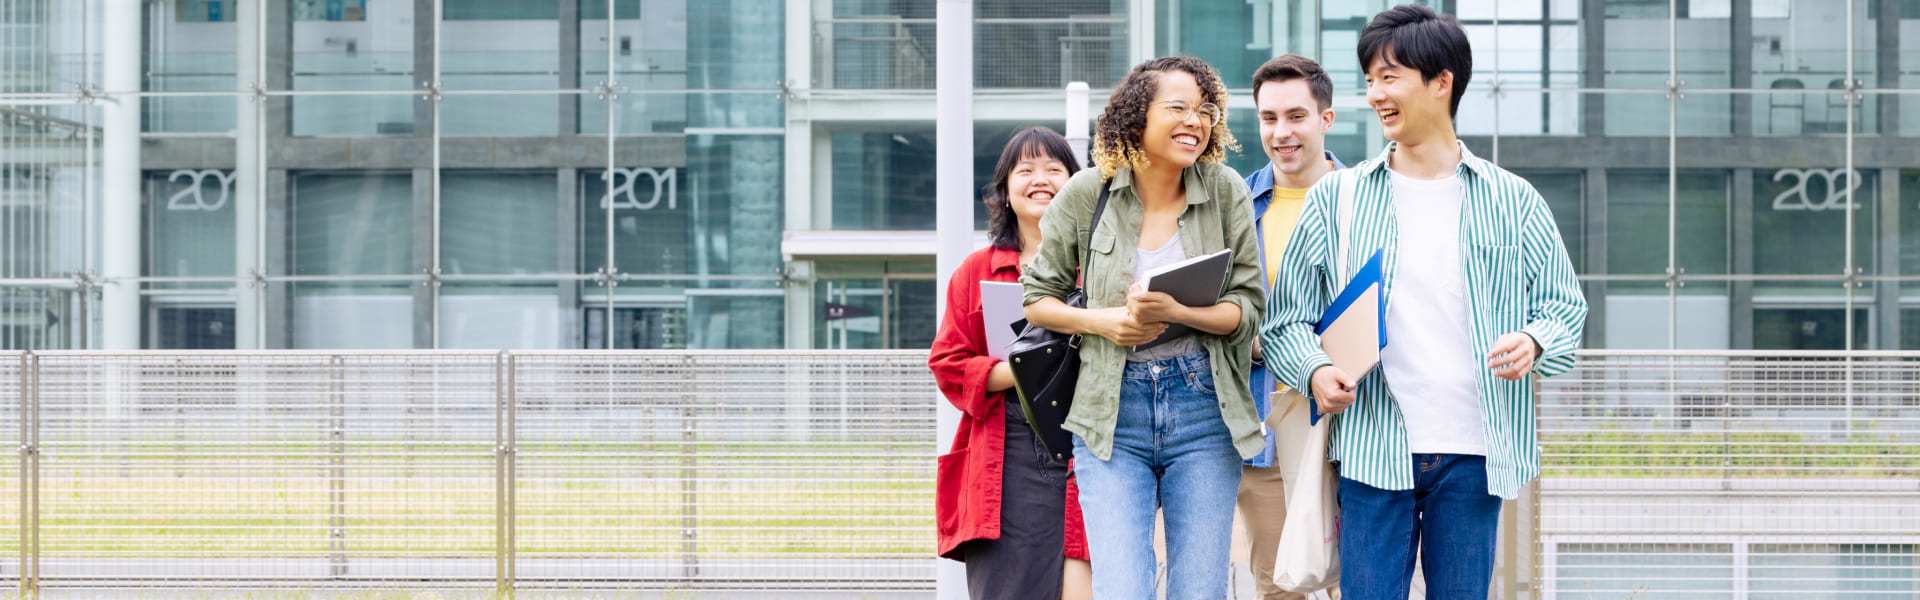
point(1480, 294)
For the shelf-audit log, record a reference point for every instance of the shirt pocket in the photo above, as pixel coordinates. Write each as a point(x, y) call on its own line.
point(1499, 284)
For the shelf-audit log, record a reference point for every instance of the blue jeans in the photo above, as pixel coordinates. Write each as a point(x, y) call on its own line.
point(1170, 449)
point(1448, 515)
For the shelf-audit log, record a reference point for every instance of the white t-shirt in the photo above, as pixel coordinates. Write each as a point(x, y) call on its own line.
point(1429, 360)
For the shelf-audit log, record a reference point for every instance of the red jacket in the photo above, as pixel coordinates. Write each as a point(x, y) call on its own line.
point(967, 500)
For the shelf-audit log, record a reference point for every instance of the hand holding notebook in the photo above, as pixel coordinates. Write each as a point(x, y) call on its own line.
point(1195, 282)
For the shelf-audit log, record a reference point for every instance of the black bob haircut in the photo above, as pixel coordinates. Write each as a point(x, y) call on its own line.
point(1414, 36)
point(1003, 228)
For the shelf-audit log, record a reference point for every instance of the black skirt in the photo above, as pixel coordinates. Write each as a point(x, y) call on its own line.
point(1026, 561)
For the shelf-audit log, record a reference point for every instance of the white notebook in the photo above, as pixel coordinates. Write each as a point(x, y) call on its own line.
point(1001, 305)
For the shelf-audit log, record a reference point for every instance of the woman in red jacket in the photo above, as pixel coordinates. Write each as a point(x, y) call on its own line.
point(1005, 506)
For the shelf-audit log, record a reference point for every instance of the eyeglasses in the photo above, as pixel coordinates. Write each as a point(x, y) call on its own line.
point(1209, 114)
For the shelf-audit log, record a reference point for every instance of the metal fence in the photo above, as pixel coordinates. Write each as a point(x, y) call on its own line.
point(462, 470)
point(1667, 475)
point(1743, 475)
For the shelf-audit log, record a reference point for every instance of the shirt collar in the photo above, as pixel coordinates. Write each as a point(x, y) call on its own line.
point(1190, 176)
point(1472, 163)
point(1003, 258)
point(1261, 182)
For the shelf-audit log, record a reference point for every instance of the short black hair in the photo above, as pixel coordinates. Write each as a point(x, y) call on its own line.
point(1414, 36)
point(1003, 227)
point(1288, 67)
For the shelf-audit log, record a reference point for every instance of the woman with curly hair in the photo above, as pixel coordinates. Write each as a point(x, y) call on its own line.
point(1004, 505)
point(1152, 430)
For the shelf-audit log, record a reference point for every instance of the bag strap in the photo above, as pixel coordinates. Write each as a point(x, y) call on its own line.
point(1344, 202)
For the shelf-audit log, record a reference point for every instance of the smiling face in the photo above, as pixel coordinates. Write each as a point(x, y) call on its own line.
point(1410, 110)
point(1178, 121)
point(1032, 184)
point(1293, 126)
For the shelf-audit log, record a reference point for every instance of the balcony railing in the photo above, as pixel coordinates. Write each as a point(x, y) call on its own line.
point(897, 53)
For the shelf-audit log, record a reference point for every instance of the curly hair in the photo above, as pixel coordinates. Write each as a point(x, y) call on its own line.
point(1116, 137)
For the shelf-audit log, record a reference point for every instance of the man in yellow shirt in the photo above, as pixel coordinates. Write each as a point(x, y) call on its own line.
point(1294, 101)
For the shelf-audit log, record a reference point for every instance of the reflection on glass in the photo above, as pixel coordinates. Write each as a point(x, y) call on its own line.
point(192, 328)
point(498, 222)
point(41, 319)
point(883, 181)
point(492, 46)
point(1909, 247)
point(1637, 205)
point(190, 46)
point(1807, 328)
point(338, 45)
point(352, 224)
point(850, 314)
point(190, 224)
point(499, 316)
point(652, 221)
point(1800, 221)
point(352, 316)
point(637, 327)
point(737, 321)
point(735, 191)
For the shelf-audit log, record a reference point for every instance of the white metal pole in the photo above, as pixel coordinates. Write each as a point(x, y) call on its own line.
point(1077, 124)
point(953, 178)
point(120, 176)
point(248, 23)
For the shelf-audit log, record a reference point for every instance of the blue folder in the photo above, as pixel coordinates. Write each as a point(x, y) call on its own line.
point(1369, 275)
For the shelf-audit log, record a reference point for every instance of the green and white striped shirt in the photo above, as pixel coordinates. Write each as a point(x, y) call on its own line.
point(1517, 276)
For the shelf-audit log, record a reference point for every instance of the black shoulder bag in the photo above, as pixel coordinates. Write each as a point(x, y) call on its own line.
point(1046, 363)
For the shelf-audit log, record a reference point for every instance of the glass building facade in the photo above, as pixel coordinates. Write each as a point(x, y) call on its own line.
point(759, 173)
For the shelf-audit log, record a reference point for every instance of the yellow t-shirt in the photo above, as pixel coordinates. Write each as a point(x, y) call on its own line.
point(1277, 225)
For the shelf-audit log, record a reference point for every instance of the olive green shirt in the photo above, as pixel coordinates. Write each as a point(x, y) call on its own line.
point(1219, 216)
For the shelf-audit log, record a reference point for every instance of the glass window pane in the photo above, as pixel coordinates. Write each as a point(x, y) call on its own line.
point(652, 222)
point(1636, 44)
point(1637, 223)
point(741, 321)
point(737, 44)
point(338, 45)
point(352, 315)
point(190, 48)
point(1807, 328)
point(883, 181)
point(1909, 245)
point(190, 224)
point(1234, 37)
point(41, 319)
point(1800, 220)
point(191, 328)
point(352, 224)
point(638, 327)
point(912, 316)
point(498, 222)
point(500, 316)
point(1804, 42)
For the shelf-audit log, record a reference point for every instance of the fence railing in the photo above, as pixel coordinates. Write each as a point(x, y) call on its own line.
point(1742, 475)
point(677, 470)
point(1721, 475)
